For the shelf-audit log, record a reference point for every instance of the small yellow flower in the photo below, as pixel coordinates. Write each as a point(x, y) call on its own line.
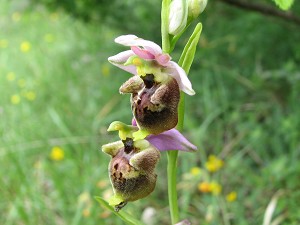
point(105, 70)
point(25, 46)
point(30, 95)
point(195, 171)
point(204, 187)
point(86, 212)
point(231, 197)
point(216, 188)
point(15, 99)
point(3, 43)
point(57, 154)
point(10, 76)
point(16, 16)
point(214, 164)
point(49, 38)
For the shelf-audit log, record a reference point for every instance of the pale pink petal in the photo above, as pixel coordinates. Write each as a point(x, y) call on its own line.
point(174, 70)
point(132, 40)
point(171, 140)
point(163, 59)
point(142, 53)
point(119, 60)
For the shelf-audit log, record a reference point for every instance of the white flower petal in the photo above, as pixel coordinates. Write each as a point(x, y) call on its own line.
point(178, 16)
point(119, 60)
point(180, 76)
point(132, 40)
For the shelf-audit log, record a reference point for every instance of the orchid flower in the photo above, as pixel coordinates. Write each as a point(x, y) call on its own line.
point(146, 57)
point(132, 164)
point(155, 88)
point(131, 170)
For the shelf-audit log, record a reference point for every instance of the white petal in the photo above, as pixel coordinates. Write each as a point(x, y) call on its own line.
point(132, 40)
point(179, 74)
point(178, 16)
point(119, 60)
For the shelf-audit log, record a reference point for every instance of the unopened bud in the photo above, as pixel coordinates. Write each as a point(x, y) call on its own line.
point(196, 7)
point(178, 16)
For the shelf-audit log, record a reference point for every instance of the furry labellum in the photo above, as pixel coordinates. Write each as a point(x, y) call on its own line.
point(154, 105)
point(131, 170)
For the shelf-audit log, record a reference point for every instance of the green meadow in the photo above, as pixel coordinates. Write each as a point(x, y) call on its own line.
point(58, 94)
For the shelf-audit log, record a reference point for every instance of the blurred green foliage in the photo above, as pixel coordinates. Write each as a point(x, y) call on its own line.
point(133, 16)
point(57, 89)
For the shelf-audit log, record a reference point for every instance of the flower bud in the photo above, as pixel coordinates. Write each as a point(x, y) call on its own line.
point(196, 7)
point(131, 170)
point(177, 16)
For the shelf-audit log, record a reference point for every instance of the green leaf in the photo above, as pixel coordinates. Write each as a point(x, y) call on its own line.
point(187, 56)
point(127, 218)
point(284, 4)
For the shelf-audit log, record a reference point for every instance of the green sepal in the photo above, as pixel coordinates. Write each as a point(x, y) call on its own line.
point(129, 60)
point(125, 131)
point(115, 200)
point(127, 218)
point(140, 134)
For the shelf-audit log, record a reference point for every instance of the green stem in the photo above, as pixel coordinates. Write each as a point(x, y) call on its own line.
point(166, 45)
point(172, 181)
point(172, 169)
point(172, 155)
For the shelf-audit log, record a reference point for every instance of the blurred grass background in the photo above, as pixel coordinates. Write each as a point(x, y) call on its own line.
point(59, 94)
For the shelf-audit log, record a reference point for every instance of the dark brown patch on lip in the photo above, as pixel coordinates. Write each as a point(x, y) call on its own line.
point(128, 145)
point(155, 108)
point(148, 80)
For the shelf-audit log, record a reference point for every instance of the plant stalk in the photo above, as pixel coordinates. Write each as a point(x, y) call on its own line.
point(172, 155)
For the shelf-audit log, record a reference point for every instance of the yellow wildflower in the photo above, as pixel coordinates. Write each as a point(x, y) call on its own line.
point(30, 95)
point(86, 212)
point(16, 16)
point(216, 188)
point(25, 46)
point(204, 187)
point(231, 197)
point(105, 70)
point(10, 76)
point(3, 43)
point(195, 171)
point(213, 164)
point(15, 99)
point(57, 154)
